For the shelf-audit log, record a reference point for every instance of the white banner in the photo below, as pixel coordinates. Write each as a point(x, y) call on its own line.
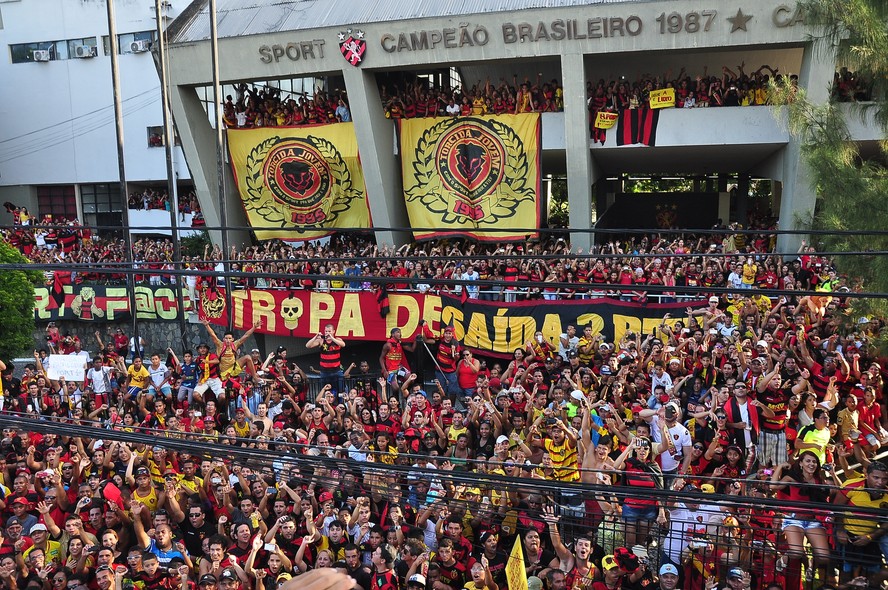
point(69, 366)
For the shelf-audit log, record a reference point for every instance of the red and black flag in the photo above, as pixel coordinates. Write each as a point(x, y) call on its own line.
point(638, 126)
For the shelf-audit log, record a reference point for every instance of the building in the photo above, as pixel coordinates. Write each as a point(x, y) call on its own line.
point(289, 42)
point(58, 148)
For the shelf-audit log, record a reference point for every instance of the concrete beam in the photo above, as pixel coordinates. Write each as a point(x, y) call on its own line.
point(382, 170)
point(576, 143)
point(199, 145)
point(799, 197)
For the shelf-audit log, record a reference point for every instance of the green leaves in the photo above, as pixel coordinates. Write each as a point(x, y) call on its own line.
point(16, 303)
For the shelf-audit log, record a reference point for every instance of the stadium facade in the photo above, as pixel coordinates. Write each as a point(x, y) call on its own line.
point(57, 141)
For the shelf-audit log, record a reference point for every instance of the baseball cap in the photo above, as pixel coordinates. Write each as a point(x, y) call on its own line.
point(38, 527)
point(284, 577)
point(228, 574)
point(735, 572)
point(713, 299)
point(325, 497)
point(637, 408)
point(606, 370)
point(707, 488)
point(279, 425)
point(240, 411)
point(668, 568)
point(763, 344)
point(21, 500)
point(608, 563)
point(142, 471)
point(502, 439)
point(417, 579)
point(206, 580)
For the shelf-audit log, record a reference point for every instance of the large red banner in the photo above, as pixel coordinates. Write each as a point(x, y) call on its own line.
point(489, 326)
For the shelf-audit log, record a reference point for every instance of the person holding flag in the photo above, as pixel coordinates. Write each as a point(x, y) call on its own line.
point(445, 352)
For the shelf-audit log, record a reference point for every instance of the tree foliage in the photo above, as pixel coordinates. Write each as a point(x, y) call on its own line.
point(16, 304)
point(851, 190)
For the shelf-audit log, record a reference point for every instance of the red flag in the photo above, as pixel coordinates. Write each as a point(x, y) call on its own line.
point(638, 126)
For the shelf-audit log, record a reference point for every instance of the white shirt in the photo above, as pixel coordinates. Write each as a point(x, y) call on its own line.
point(683, 524)
point(157, 374)
point(665, 380)
point(98, 379)
point(572, 343)
point(471, 290)
point(744, 417)
point(681, 438)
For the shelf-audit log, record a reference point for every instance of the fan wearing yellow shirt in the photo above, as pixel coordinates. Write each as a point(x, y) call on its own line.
point(561, 444)
point(137, 378)
point(861, 539)
point(482, 579)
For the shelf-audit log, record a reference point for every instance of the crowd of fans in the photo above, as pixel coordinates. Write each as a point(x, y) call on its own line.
point(730, 260)
point(150, 198)
point(734, 448)
point(260, 106)
point(849, 86)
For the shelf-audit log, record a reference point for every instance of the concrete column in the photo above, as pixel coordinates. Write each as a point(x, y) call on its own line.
point(743, 199)
point(798, 196)
point(200, 149)
point(382, 169)
point(580, 172)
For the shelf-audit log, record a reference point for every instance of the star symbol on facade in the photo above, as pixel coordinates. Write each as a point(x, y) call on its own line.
point(360, 34)
point(342, 36)
point(348, 31)
point(739, 20)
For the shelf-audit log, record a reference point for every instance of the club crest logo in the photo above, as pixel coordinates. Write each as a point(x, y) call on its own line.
point(353, 46)
point(297, 174)
point(470, 169)
point(307, 179)
point(470, 160)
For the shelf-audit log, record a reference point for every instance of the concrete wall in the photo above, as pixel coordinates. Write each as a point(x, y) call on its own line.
point(60, 112)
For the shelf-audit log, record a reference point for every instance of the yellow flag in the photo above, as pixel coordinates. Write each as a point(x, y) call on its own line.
point(662, 98)
point(605, 119)
point(516, 575)
point(299, 177)
point(468, 175)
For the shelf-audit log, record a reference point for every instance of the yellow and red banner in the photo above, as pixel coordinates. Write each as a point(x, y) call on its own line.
point(466, 176)
point(605, 119)
point(662, 98)
point(496, 328)
point(298, 178)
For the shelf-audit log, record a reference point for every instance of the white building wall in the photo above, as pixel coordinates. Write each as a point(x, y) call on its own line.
point(57, 117)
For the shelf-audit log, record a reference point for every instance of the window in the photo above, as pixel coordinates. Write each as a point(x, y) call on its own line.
point(85, 47)
point(58, 201)
point(125, 42)
point(25, 52)
point(102, 205)
point(155, 136)
point(289, 88)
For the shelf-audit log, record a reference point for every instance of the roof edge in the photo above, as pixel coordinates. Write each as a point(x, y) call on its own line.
point(184, 19)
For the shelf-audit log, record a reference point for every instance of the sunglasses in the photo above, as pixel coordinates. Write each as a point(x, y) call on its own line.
point(698, 447)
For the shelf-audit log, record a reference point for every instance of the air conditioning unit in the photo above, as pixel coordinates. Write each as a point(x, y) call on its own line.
point(41, 55)
point(140, 46)
point(83, 51)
